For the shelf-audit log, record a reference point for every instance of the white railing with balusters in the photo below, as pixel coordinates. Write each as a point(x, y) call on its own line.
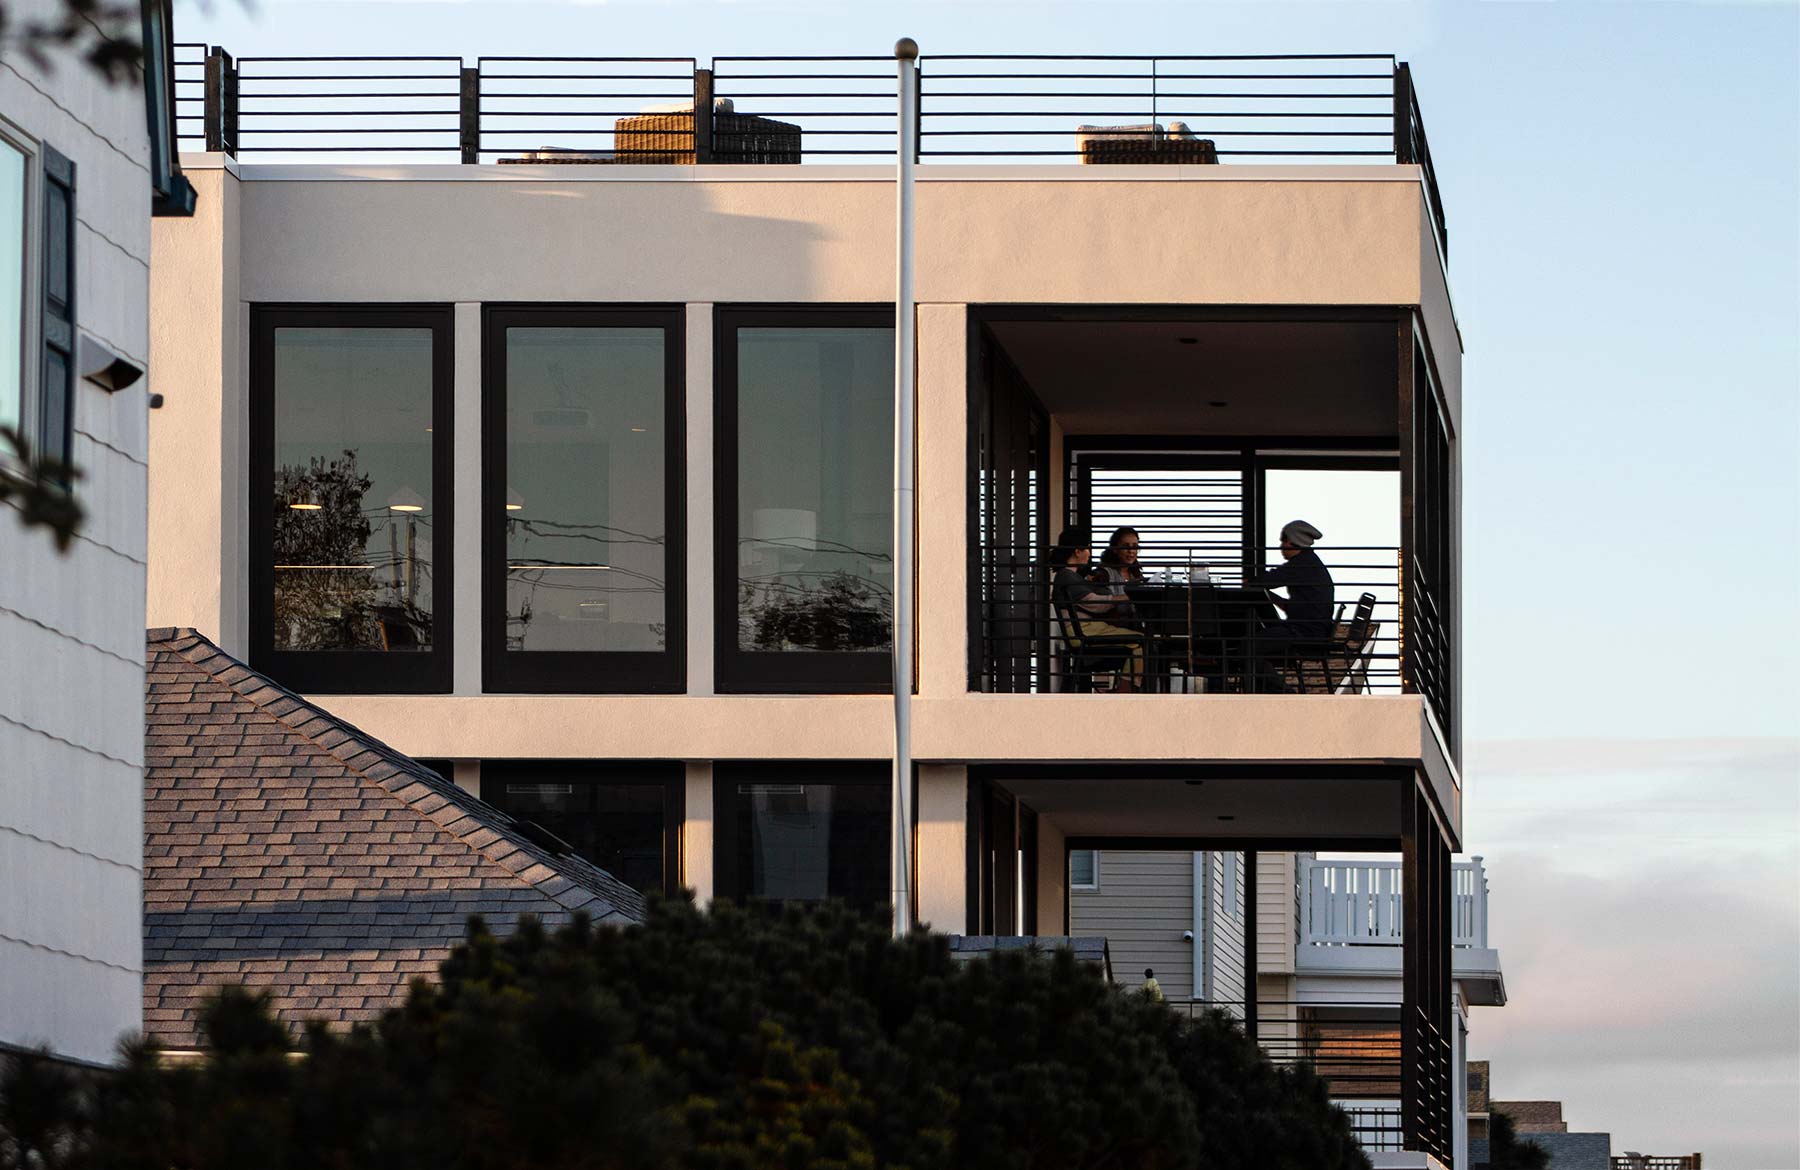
point(1357, 903)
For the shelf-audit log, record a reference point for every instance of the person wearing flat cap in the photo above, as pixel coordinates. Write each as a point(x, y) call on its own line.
point(1312, 598)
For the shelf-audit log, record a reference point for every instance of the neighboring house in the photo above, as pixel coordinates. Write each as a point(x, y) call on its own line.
point(577, 477)
point(1325, 957)
point(1542, 1123)
point(284, 849)
point(84, 164)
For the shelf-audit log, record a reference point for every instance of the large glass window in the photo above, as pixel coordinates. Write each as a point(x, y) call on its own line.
point(14, 168)
point(802, 832)
point(583, 451)
point(624, 818)
point(351, 498)
point(806, 500)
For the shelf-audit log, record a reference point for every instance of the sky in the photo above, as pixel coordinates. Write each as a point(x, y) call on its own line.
point(1622, 190)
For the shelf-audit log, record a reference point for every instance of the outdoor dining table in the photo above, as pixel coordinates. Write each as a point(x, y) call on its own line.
point(1208, 630)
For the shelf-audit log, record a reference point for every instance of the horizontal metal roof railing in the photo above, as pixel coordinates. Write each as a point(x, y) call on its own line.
point(972, 109)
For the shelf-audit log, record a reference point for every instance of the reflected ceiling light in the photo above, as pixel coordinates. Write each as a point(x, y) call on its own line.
point(306, 505)
point(514, 501)
point(406, 500)
point(639, 430)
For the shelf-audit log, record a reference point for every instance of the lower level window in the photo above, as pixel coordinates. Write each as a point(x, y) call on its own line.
point(803, 832)
point(624, 818)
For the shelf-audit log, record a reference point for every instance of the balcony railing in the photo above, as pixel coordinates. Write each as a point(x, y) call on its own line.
point(1192, 637)
point(1358, 903)
point(1357, 1049)
point(1118, 109)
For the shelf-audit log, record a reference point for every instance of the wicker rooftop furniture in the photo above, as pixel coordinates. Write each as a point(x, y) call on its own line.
point(1148, 143)
point(667, 136)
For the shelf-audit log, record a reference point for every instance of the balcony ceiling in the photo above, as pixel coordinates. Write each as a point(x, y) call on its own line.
point(1298, 378)
point(1111, 805)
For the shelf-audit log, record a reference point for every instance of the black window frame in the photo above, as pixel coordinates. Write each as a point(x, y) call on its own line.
point(763, 672)
point(597, 672)
point(728, 774)
point(669, 775)
point(353, 672)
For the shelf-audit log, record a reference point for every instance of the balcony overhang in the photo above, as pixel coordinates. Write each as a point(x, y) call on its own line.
point(1309, 739)
point(1475, 969)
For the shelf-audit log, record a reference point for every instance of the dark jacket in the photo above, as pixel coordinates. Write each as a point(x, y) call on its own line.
point(1312, 598)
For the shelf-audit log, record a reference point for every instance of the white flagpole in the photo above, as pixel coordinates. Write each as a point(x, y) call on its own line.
point(906, 56)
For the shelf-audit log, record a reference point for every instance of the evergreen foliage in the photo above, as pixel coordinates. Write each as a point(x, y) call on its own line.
point(1507, 1151)
point(740, 1039)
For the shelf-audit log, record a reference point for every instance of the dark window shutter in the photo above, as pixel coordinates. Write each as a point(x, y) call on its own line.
point(56, 388)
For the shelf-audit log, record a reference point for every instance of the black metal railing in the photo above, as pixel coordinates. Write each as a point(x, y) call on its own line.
point(1178, 109)
point(972, 108)
point(1191, 626)
point(1411, 147)
point(1354, 1047)
point(190, 95)
point(1428, 1090)
point(583, 109)
point(834, 109)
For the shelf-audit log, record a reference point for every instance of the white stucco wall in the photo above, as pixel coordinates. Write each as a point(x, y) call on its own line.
point(701, 236)
point(72, 625)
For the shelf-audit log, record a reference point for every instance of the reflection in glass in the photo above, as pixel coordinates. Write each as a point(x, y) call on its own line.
point(815, 489)
point(586, 531)
point(12, 284)
point(808, 842)
point(618, 827)
point(352, 499)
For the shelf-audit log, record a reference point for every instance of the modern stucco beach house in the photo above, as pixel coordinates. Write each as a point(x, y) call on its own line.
point(536, 416)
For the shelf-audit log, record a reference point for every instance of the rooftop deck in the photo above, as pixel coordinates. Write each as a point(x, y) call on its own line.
point(1183, 110)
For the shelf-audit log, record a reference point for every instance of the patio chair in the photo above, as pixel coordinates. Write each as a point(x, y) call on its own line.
point(1084, 655)
point(1324, 667)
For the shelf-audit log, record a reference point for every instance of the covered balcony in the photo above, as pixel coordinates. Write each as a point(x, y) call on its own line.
point(1178, 443)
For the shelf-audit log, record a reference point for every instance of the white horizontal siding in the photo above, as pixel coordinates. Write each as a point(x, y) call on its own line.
point(1277, 913)
point(71, 692)
point(72, 623)
point(57, 792)
point(78, 1008)
point(80, 905)
point(1224, 981)
point(1144, 902)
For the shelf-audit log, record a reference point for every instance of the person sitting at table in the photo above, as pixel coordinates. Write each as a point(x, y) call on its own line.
point(1311, 601)
point(1089, 604)
point(1120, 562)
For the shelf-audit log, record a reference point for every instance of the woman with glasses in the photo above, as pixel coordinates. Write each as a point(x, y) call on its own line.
point(1091, 609)
point(1119, 563)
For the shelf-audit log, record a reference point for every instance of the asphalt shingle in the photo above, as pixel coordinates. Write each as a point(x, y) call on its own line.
point(286, 849)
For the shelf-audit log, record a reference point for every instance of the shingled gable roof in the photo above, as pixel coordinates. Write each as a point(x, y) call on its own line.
point(283, 848)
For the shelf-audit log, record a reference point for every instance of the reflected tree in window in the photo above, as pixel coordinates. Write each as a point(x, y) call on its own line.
point(842, 612)
point(330, 593)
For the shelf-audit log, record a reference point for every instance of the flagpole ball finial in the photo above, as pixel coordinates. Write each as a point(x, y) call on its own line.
point(906, 49)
